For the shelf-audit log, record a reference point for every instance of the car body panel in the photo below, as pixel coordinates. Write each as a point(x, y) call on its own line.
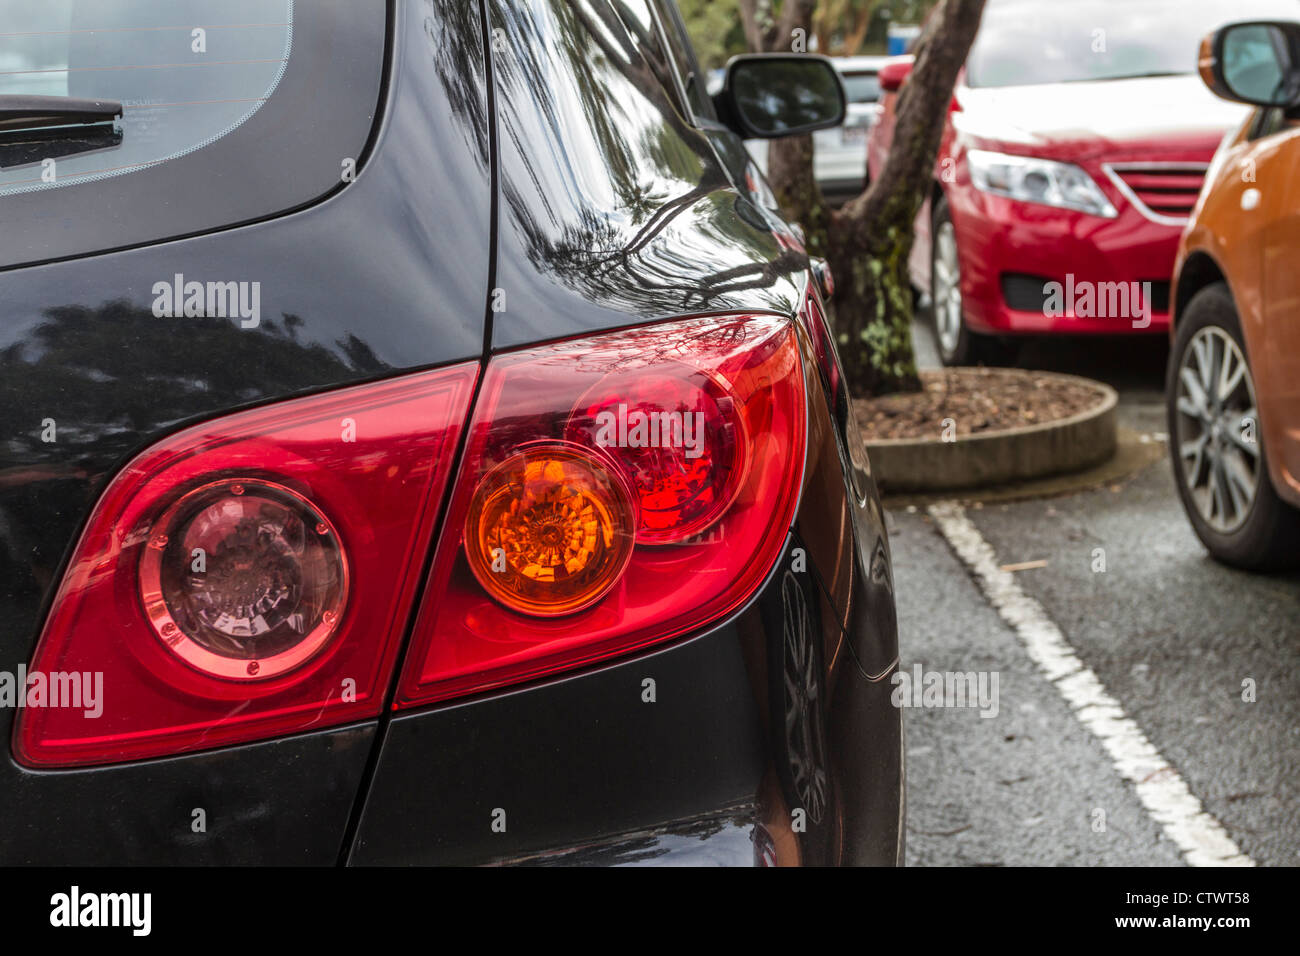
point(594, 235)
point(611, 210)
point(1091, 119)
point(284, 802)
point(840, 155)
point(1246, 229)
point(574, 761)
point(365, 284)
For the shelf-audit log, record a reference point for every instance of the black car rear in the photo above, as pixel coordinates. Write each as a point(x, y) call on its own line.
point(323, 473)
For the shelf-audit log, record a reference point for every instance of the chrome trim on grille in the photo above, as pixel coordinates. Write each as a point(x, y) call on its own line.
point(1113, 170)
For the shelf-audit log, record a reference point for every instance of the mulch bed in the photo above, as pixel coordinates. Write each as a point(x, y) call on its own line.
point(977, 400)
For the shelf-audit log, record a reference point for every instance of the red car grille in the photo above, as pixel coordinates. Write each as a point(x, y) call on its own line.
point(1163, 192)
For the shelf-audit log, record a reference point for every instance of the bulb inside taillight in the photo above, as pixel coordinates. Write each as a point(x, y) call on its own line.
point(243, 579)
point(679, 435)
point(550, 529)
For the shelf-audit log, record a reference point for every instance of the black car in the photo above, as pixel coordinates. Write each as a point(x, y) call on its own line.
point(424, 443)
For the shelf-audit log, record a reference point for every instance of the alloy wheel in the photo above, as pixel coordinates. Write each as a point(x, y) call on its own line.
point(803, 723)
point(1216, 429)
point(946, 288)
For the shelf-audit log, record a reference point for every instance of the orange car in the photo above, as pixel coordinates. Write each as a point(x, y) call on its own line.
point(1233, 387)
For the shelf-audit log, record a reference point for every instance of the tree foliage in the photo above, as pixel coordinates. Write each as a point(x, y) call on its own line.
point(838, 27)
point(715, 29)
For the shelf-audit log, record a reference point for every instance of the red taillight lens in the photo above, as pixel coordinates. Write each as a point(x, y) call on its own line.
point(681, 438)
point(822, 335)
point(251, 576)
point(619, 401)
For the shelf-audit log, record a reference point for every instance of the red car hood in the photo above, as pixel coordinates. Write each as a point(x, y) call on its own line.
point(1106, 118)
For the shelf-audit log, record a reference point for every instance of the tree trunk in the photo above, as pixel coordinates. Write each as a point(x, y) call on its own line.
point(853, 38)
point(870, 239)
point(790, 159)
point(749, 24)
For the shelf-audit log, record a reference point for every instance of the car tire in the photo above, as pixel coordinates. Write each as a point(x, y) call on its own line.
point(957, 344)
point(1213, 460)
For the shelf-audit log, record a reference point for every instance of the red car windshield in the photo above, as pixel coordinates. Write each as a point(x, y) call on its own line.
point(1030, 42)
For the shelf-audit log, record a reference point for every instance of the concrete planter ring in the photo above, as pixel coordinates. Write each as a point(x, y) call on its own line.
point(998, 457)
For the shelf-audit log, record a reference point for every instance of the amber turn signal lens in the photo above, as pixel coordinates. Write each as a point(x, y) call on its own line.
point(550, 529)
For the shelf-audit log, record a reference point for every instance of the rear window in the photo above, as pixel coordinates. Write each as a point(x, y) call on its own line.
point(187, 72)
point(232, 110)
point(861, 87)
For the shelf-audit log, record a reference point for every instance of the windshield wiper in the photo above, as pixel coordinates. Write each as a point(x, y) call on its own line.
point(36, 128)
point(20, 111)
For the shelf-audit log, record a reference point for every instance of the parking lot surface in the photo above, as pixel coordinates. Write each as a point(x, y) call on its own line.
point(1202, 659)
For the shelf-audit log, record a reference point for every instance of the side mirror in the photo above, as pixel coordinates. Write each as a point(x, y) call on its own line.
point(894, 73)
point(770, 95)
point(1255, 63)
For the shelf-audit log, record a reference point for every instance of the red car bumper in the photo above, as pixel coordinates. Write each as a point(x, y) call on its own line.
point(1011, 251)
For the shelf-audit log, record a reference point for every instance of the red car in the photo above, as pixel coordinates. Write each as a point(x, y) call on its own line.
point(1072, 157)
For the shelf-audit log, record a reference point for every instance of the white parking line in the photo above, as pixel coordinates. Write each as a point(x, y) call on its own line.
point(1162, 791)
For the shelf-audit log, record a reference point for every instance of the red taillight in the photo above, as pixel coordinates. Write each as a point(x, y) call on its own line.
point(251, 576)
point(714, 499)
point(681, 439)
point(822, 335)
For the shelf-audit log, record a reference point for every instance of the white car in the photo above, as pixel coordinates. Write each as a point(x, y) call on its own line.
point(840, 155)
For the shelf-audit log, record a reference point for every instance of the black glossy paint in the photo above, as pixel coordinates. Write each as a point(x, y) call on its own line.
point(613, 208)
point(571, 762)
point(280, 802)
point(386, 274)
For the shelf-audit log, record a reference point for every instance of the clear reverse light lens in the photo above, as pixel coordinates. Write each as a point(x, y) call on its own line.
point(1043, 181)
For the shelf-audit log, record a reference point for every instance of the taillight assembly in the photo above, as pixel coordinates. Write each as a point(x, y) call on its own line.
point(617, 491)
point(254, 576)
point(250, 576)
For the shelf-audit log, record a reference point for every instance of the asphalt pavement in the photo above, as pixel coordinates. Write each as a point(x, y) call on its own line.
point(1201, 660)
